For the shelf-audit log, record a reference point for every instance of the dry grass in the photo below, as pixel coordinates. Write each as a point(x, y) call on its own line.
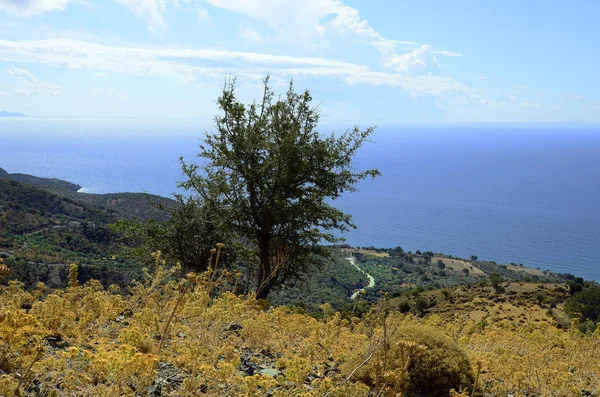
point(458, 265)
point(533, 272)
point(373, 253)
point(517, 304)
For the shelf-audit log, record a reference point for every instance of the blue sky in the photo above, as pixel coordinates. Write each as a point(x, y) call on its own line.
point(373, 62)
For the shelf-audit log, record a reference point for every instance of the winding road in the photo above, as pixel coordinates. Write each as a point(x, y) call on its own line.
point(352, 261)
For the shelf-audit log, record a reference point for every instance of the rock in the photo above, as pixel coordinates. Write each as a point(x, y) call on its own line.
point(252, 363)
point(168, 378)
point(233, 327)
point(248, 367)
point(162, 365)
point(270, 372)
point(57, 342)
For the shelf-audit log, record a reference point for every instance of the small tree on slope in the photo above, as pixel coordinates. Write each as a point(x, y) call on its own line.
point(272, 177)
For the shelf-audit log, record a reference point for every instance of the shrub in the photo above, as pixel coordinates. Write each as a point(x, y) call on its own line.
point(443, 366)
point(585, 303)
point(404, 306)
point(421, 361)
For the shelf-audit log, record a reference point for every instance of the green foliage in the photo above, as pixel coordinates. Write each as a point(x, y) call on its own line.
point(51, 184)
point(186, 237)
point(139, 207)
point(25, 208)
point(575, 285)
point(421, 305)
point(332, 282)
point(442, 366)
point(585, 303)
point(270, 175)
point(496, 279)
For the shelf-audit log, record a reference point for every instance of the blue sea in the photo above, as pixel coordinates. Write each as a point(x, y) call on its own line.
point(522, 193)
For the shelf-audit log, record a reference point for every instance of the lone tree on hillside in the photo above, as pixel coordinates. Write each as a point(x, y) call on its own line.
point(272, 177)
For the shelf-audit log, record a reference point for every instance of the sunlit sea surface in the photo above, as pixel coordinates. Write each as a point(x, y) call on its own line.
point(522, 193)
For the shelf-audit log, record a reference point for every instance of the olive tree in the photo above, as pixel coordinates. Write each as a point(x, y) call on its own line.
point(272, 178)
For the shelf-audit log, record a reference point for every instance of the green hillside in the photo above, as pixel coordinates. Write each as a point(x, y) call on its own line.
point(45, 225)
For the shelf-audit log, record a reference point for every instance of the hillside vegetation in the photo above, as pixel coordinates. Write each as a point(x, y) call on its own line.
point(175, 336)
point(45, 225)
point(432, 325)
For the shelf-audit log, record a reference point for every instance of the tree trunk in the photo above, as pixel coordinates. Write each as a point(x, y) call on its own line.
point(264, 283)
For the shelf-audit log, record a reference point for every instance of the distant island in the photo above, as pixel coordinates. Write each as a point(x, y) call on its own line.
point(52, 184)
point(4, 113)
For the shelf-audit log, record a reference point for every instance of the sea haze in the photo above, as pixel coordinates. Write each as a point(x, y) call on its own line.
point(522, 193)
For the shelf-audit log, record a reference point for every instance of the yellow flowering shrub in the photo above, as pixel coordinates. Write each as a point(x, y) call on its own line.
point(173, 336)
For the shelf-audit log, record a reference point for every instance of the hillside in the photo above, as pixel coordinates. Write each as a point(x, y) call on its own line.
point(397, 271)
point(45, 224)
point(171, 336)
point(51, 184)
point(132, 206)
point(367, 322)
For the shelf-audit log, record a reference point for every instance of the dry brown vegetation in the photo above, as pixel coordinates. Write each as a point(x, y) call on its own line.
point(173, 336)
point(373, 253)
point(459, 265)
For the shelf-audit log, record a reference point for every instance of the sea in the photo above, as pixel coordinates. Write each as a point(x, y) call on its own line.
point(512, 193)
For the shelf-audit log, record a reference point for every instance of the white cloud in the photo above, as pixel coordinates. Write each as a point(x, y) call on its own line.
point(312, 21)
point(401, 43)
point(180, 64)
point(150, 10)
point(483, 76)
point(418, 58)
point(249, 33)
point(553, 107)
point(530, 105)
point(442, 88)
point(30, 8)
point(512, 97)
point(203, 15)
point(446, 53)
point(32, 84)
point(410, 60)
point(299, 19)
point(186, 66)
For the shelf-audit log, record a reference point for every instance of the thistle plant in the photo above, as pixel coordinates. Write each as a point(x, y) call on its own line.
point(4, 270)
point(183, 288)
point(188, 284)
point(73, 273)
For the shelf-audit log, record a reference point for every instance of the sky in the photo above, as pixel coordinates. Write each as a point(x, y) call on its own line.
point(364, 61)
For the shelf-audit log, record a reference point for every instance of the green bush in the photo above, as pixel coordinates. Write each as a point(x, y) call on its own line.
point(439, 368)
point(585, 303)
point(436, 364)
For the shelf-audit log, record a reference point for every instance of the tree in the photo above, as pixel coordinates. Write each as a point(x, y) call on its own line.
point(495, 279)
point(271, 177)
point(187, 237)
point(585, 303)
point(421, 305)
point(397, 252)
